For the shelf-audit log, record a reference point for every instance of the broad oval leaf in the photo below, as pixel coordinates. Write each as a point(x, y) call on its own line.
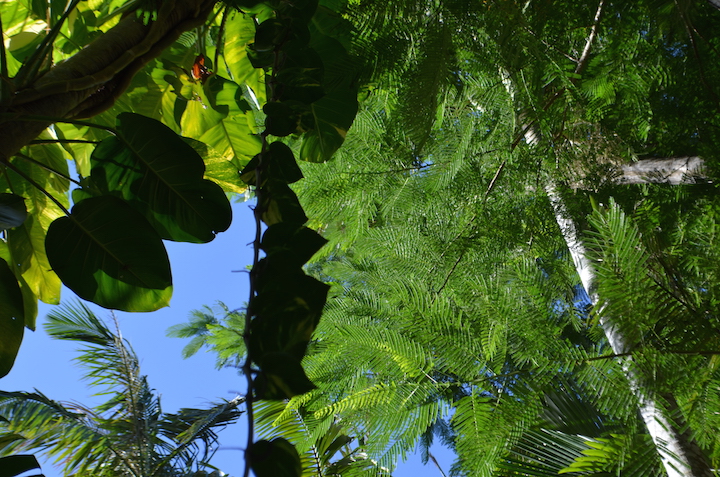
point(276, 458)
point(12, 318)
point(327, 123)
point(161, 176)
point(12, 211)
point(107, 253)
point(281, 377)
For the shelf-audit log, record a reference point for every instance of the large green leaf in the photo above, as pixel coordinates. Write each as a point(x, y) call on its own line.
point(12, 211)
point(27, 246)
point(160, 175)
point(12, 322)
point(107, 253)
point(328, 122)
point(221, 170)
point(239, 32)
point(234, 139)
point(276, 458)
point(30, 305)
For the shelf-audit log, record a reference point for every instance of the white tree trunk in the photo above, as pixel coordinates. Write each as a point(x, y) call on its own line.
point(680, 455)
point(673, 170)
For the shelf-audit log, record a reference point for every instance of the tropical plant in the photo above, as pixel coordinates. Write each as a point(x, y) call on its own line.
point(132, 67)
point(127, 434)
point(445, 256)
point(144, 75)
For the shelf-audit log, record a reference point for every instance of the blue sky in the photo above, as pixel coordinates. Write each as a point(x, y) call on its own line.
point(202, 275)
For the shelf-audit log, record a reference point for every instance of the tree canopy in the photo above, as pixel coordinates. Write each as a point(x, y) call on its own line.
point(519, 204)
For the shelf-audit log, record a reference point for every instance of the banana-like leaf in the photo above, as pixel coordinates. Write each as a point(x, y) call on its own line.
point(233, 139)
point(221, 170)
point(12, 323)
point(239, 32)
point(27, 246)
point(161, 176)
point(107, 253)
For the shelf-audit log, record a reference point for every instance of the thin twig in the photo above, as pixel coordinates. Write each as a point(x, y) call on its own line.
point(63, 141)
point(452, 270)
point(494, 180)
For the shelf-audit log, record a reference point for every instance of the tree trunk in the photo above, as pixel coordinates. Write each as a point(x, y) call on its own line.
point(674, 170)
point(90, 81)
point(680, 454)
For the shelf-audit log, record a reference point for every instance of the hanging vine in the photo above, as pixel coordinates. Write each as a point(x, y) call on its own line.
point(304, 98)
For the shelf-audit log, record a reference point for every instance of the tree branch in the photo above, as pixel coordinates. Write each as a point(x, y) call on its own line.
point(91, 80)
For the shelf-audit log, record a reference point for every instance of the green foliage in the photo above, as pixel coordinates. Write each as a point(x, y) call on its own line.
point(455, 308)
point(108, 262)
point(157, 173)
point(125, 435)
point(143, 162)
point(453, 291)
point(12, 324)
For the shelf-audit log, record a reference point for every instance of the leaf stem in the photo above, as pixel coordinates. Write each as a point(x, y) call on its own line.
point(34, 63)
point(48, 168)
point(37, 186)
point(51, 119)
point(63, 141)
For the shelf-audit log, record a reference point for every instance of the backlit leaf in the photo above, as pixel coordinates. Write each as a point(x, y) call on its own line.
point(160, 175)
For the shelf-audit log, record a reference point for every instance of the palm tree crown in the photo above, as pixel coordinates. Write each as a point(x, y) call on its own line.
point(128, 435)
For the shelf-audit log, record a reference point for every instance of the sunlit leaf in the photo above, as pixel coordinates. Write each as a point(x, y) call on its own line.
point(219, 169)
point(239, 32)
point(27, 246)
point(199, 115)
point(233, 139)
point(30, 300)
point(225, 96)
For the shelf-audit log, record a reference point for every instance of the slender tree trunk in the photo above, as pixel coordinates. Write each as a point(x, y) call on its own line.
point(680, 454)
